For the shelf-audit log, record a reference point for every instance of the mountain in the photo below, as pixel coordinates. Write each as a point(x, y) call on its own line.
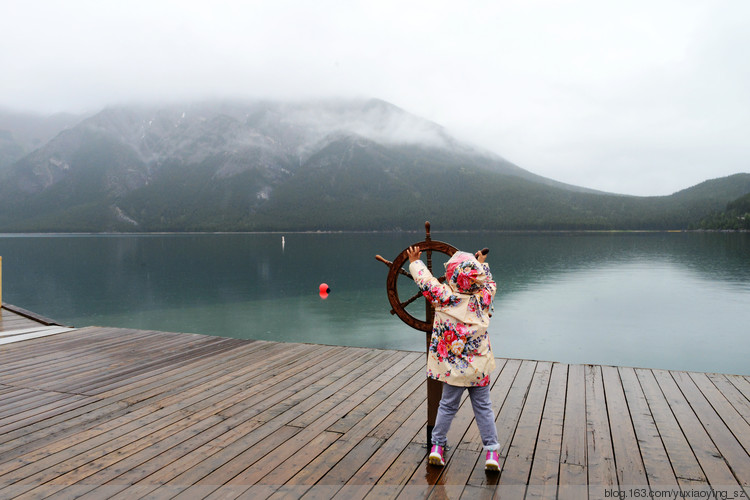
point(736, 216)
point(21, 133)
point(323, 165)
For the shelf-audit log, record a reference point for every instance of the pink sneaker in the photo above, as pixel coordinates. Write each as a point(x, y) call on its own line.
point(491, 462)
point(436, 455)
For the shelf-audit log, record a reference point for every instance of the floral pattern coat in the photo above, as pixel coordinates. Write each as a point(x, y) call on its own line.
point(460, 353)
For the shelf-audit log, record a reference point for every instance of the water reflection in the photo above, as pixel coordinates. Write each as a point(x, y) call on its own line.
point(638, 299)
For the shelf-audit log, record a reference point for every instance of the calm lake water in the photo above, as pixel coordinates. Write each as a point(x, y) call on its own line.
point(660, 300)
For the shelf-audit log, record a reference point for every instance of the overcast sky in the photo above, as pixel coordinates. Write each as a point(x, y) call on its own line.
point(642, 97)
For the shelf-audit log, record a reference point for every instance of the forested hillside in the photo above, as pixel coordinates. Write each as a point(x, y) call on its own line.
point(260, 166)
point(736, 216)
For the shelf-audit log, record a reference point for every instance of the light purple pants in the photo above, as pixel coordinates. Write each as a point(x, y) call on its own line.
point(483, 414)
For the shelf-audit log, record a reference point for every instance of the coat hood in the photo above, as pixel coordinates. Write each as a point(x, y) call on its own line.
point(464, 273)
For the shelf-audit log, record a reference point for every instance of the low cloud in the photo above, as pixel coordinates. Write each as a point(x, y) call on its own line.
point(646, 97)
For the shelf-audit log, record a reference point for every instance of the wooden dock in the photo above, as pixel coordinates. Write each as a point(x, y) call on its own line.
point(116, 413)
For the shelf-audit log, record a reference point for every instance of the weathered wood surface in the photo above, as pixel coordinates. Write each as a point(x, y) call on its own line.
point(21, 334)
point(11, 320)
point(117, 413)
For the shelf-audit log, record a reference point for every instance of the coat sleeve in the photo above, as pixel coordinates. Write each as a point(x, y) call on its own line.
point(439, 294)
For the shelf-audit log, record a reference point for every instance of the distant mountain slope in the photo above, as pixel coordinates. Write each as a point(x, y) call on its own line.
point(331, 165)
point(21, 133)
point(736, 216)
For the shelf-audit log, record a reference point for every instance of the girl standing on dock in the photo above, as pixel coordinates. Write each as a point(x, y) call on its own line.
point(460, 354)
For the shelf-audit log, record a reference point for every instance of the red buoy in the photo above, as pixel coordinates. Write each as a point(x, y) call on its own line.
point(324, 290)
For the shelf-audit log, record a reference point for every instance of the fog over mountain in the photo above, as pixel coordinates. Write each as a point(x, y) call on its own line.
point(306, 165)
point(268, 134)
point(21, 133)
point(639, 98)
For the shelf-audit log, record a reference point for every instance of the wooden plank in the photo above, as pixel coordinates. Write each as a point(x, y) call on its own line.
point(628, 460)
point(341, 471)
point(20, 360)
point(186, 384)
point(653, 453)
point(143, 353)
point(392, 482)
point(318, 471)
point(573, 448)
point(263, 448)
point(126, 385)
point(261, 469)
point(158, 412)
point(115, 462)
point(461, 459)
point(329, 404)
point(19, 331)
point(545, 470)
point(60, 355)
point(40, 434)
point(734, 454)
point(10, 394)
point(311, 373)
point(182, 377)
point(240, 428)
point(89, 384)
point(460, 426)
point(714, 467)
point(733, 395)
point(573, 460)
point(510, 412)
point(24, 400)
point(81, 366)
point(459, 468)
point(680, 456)
point(410, 375)
point(21, 312)
point(602, 473)
point(182, 457)
point(205, 358)
point(468, 458)
point(313, 447)
point(395, 420)
point(146, 412)
point(87, 341)
point(510, 392)
point(50, 330)
point(11, 320)
point(61, 459)
point(227, 462)
point(742, 384)
point(360, 484)
point(500, 382)
point(517, 466)
point(52, 404)
point(738, 426)
point(105, 375)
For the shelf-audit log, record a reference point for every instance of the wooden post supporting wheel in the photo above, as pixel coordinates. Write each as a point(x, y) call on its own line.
point(434, 388)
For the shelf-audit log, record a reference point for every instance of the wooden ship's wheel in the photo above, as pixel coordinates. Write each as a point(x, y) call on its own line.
point(434, 388)
point(392, 282)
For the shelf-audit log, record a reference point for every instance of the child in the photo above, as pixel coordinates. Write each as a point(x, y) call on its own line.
point(460, 354)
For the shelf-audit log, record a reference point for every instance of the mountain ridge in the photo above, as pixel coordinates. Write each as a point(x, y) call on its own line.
point(265, 165)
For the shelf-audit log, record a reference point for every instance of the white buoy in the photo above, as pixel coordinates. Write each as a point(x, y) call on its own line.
point(282, 243)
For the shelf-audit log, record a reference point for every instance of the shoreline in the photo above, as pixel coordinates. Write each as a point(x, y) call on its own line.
point(446, 231)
